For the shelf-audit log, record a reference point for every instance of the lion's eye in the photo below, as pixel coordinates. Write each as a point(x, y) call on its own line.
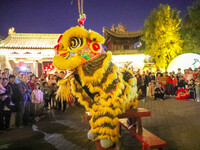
point(75, 42)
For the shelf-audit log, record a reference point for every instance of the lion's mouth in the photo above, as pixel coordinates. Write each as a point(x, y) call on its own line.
point(70, 72)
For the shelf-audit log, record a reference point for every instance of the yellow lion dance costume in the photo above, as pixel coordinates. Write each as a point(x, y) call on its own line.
point(103, 89)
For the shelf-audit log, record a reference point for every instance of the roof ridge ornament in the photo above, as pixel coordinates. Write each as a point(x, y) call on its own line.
point(11, 31)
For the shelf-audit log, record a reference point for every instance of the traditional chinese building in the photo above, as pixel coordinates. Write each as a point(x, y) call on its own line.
point(120, 41)
point(33, 51)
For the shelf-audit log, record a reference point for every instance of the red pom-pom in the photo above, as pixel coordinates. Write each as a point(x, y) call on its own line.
point(80, 22)
point(95, 46)
point(60, 37)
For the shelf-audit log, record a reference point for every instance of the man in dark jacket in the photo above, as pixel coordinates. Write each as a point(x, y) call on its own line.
point(15, 98)
point(25, 101)
point(159, 92)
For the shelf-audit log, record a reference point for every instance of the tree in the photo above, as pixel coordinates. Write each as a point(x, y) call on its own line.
point(190, 32)
point(161, 35)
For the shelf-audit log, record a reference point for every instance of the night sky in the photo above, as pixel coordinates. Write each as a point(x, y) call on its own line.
point(55, 16)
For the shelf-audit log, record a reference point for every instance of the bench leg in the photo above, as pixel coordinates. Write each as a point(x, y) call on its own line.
point(120, 128)
point(139, 124)
point(144, 147)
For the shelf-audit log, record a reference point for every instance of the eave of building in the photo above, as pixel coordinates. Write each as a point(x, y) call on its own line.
point(132, 34)
point(126, 52)
point(34, 41)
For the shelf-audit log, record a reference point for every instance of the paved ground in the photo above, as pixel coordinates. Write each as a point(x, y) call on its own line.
point(176, 122)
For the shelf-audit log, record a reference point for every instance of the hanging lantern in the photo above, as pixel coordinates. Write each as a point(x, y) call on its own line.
point(21, 63)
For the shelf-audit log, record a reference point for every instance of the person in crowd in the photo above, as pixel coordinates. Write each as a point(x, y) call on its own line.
point(60, 76)
point(32, 81)
point(2, 90)
point(29, 74)
point(148, 84)
point(138, 73)
point(153, 77)
point(139, 82)
point(56, 73)
point(51, 80)
point(3, 75)
point(55, 77)
point(143, 84)
point(195, 74)
point(164, 82)
point(18, 78)
point(37, 102)
point(166, 74)
point(159, 92)
point(42, 78)
point(158, 70)
point(170, 85)
point(179, 71)
point(53, 96)
point(46, 95)
point(132, 69)
point(181, 81)
point(25, 101)
point(7, 105)
point(191, 87)
point(7, 71)
point(37, 80)
point(158, 78)
point(141, 95)
point(190, 75)
point(175, 83)
point(186, 72)
point(14, 98)
point(151, 85)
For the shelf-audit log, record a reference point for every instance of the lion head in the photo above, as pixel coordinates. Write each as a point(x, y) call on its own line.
point(77, 46)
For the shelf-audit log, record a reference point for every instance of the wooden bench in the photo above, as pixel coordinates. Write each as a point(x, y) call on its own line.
point(148, 139)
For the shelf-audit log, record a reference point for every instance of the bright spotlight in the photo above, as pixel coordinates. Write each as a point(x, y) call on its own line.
point(23, 68)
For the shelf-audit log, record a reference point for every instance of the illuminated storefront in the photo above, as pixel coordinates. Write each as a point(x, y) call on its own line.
point(27, 51)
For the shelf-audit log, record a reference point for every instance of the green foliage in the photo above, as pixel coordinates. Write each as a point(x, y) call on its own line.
point(190, 32)
point(161, 35)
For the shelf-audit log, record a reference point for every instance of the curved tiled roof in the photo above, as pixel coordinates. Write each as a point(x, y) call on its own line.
point(30, 41)
point(123, 34)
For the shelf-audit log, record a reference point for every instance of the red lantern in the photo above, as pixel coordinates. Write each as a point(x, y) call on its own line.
point(21, 63)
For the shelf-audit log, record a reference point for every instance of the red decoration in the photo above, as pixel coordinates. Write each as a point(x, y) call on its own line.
point(21, 63)
point(60, 37)
point(95, 46)
point(57, 47)
point(63, 54)
point(80, 22)
point(182, 94)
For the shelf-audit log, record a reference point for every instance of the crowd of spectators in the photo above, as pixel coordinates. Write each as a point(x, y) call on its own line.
point(25, 97)
point(158, 84)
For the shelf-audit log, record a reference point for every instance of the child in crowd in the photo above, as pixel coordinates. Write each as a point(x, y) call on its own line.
point(191, 87)
point(53, 95)
point(37, 102)
point(141, 95)
point(46, 94)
